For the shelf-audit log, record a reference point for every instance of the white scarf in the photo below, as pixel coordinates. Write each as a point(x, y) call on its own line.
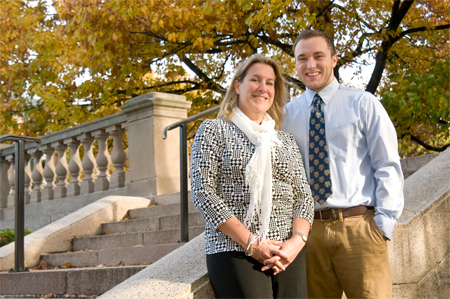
point(258, 172)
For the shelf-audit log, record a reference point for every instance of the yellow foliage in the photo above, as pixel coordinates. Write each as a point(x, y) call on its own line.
point(105, 52)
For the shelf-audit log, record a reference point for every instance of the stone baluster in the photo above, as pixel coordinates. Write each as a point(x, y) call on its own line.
point(118, 157)
point(74, 166)
point(37, 176)
point(27, 179)
point(49, 173)
point(12, 182)
point(103, 160)
point(5, 188)
point(61, 169)
point(88, 163)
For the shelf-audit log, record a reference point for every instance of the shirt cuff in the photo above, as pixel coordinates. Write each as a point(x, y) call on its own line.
point(385, 224)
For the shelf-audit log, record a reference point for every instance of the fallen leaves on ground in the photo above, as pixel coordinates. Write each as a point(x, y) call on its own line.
point(42, 265)
point(69, 265)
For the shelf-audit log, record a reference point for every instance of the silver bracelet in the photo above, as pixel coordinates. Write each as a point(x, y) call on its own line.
point(303, 236)
point(250, 246)
point(251, 239)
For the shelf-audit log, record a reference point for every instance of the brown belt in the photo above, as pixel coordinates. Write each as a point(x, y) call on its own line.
point(333, 214)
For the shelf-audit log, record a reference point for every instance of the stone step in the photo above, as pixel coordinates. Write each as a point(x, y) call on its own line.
point(81, 281)
point(171, 198)
point(150, 224)
point(130, 226)
point(169, 222)
point(132, 239)
point(160, 210)
point(111, 256)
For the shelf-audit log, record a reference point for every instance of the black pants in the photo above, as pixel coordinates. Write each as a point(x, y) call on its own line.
point(235, 275)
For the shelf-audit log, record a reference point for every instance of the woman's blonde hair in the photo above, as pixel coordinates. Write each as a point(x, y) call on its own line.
point(230, 102)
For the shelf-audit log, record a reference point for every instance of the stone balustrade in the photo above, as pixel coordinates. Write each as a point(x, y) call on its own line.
point(152, 168)
point(59, 179)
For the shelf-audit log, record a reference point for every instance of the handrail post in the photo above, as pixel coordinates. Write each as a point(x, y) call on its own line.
point(182, 124)
point(183, 185)
point(19, 196)
point(19, 206)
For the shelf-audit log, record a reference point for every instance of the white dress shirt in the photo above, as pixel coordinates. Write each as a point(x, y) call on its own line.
point(362, 148)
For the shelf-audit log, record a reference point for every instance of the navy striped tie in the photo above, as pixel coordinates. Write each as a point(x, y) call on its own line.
point(319, 169)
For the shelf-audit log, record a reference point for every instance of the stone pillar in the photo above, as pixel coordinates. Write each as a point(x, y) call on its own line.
point(5, 188)
point(88, 163)
point(118, 157)
point(61, 170)
point(154, 163)
point(103, 160)
point(10, 202)
point(74, 166)
point(49, 173)
point(27, 177)
point(36, 175)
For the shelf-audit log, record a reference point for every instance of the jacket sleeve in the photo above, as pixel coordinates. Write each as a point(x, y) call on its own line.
point(206, 172)
point(304, 203)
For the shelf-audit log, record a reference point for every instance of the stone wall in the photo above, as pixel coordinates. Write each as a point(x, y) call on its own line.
point(420, 247)
point(411, 165)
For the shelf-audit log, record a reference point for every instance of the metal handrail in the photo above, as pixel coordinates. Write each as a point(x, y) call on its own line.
point(19, 195)
point(190, 119)
point(182, 124)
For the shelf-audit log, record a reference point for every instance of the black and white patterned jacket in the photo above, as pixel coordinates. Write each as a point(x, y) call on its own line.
point(219, 155)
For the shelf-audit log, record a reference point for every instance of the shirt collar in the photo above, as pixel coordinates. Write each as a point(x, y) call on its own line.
point(326, 93)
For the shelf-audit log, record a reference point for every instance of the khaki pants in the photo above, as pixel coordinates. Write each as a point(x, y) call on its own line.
point(350, 255)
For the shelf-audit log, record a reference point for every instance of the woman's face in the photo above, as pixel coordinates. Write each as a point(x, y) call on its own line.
point(256, 91)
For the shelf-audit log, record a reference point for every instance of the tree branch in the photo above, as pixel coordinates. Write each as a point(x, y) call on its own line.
point(294, 81)
point(419, 29)
point(399, 13)
point(425, 145)
point(399, 10)
point(210, 83)
point(356, 16)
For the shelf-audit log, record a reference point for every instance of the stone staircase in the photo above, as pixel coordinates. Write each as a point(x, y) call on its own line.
point(98, 263)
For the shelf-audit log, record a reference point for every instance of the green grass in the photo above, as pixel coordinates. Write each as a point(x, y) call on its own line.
point(7, 236)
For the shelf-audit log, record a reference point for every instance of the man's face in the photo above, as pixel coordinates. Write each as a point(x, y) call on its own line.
point(314, 63)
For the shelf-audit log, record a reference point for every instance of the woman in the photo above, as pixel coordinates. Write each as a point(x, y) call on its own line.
point(248, 181)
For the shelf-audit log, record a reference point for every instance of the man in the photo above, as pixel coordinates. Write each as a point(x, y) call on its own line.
point(349, 148)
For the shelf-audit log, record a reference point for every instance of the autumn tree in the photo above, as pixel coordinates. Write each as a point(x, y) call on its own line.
point(78, 60)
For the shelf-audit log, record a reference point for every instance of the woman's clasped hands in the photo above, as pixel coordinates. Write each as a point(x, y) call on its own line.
point(266, 250)
point(280, 255)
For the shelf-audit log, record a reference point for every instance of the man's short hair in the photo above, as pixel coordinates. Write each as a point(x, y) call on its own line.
point(307, 34)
